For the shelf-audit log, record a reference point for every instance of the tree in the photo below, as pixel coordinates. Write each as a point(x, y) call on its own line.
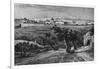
point(69, 37)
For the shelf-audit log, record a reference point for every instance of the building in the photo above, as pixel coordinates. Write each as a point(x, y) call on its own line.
point(61, 23)
point(79, 22)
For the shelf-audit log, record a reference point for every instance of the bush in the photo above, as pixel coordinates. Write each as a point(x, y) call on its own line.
point(25, 49)
point(69, 35)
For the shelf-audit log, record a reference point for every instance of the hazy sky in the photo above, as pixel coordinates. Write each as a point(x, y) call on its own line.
point(41, 11)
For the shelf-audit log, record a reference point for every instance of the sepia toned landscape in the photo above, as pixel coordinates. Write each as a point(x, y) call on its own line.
point(52, 34)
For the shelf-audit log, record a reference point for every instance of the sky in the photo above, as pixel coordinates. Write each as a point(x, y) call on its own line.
point(42, 11)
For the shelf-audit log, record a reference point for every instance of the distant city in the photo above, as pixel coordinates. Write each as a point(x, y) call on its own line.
point(52, 21)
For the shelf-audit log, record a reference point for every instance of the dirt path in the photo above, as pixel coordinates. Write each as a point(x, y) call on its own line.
point(85, 56)
point(41, 56)
point(50, 53)
point(76, 57)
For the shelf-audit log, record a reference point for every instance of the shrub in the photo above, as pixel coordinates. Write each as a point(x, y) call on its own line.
point(25, 49)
